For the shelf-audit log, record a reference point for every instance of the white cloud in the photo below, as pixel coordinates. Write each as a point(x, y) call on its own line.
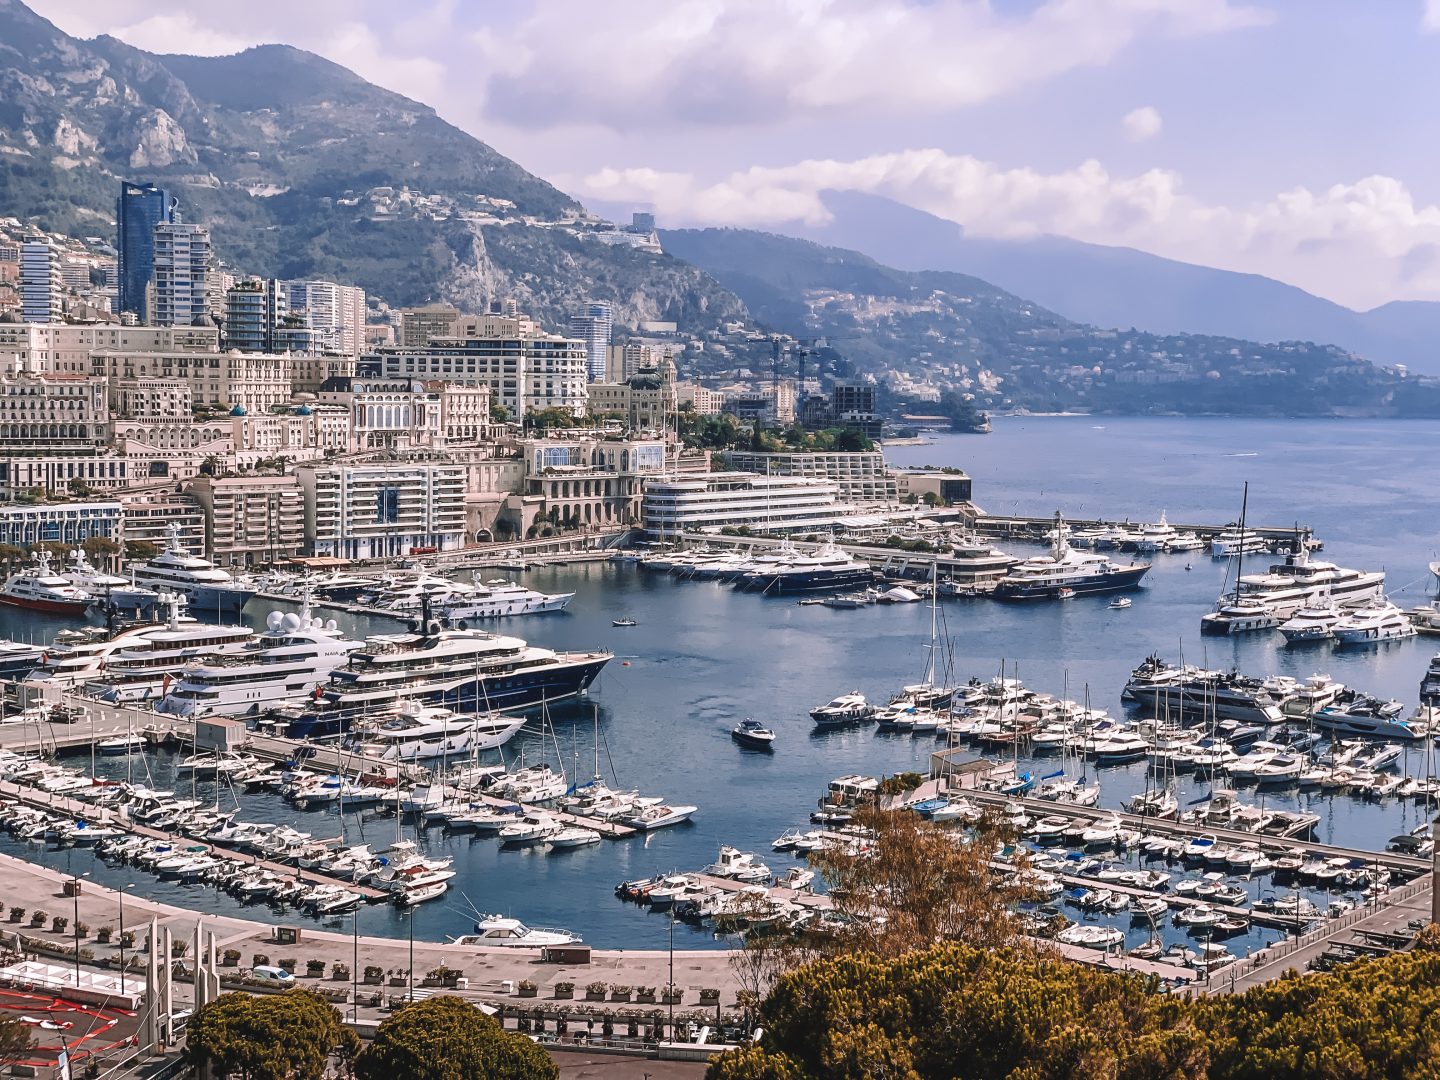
point(1361, 243)
point(1430, 16)
point(1142, 123)
point(630, 65)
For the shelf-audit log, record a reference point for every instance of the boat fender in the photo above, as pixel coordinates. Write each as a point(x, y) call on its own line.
point(462, 625)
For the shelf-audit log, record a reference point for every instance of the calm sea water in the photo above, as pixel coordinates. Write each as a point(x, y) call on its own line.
point(703, 656)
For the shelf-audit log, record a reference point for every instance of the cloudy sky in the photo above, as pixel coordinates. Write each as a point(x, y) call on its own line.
point(1293, 138)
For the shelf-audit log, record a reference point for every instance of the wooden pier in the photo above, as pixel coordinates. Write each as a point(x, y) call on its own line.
point(1407, 866)
point(45, 800)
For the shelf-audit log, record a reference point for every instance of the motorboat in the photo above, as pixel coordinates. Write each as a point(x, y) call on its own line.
point(627, 621)
point(1120, 603)
point(1155, 537)
point(1315, 622)
point(420, 732)
point(207, 588)
point(1373, 624)
point(498, 600)
point(753, 734)
point(1300, 581)
point(1091, 936)
point(572, 837)
point(1236, 541)
point(531, 828)
point(661, 816)
point(1239, 615)
point(143, 664)
point(850, 708)
point(38, 588)
point(1355, 713)
point(1044, 577)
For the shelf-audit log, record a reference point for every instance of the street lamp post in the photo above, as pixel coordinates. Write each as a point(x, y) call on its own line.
point(410, 993)
point(75, 893)
point(670, 990)
point(122, 935)
point(355, 967)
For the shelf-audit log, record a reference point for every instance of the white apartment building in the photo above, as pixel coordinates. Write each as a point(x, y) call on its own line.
point(702, 400)
point(65, 349)
point(301, 433)
point(253, 382)
point(42, 290)
point(862, 477)
point(53, 434)
point(182, 274)
point(335, 312)
point(673, 505)
point(251, 519)
point(524, 371)
point(69, 523)
point(374, 510)
point(587, 482)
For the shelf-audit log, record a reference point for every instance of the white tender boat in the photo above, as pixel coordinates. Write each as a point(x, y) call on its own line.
point(496, 930)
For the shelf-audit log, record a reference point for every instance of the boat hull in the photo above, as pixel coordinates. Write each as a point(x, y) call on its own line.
point(482, 693)
point(1118, 580)
point(795, 584)
point(49, 607)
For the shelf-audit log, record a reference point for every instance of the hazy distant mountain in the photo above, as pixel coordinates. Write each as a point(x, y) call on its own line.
point(941, 330)
point(1122, 287)
point(275, 149)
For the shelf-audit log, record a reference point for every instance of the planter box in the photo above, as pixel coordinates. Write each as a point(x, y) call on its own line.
point(528, 991)
point(620, 995)
point(645, 999)
point(565, 995)
point(594, 995)
point(373, 980)
point(399, 980)
point(672, 999)
point(432, 980)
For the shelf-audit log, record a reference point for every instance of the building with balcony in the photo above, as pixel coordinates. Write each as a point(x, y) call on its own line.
point(861, 478)
point(712, 501)
point(251, 519)
point(182, 254)
point(65, 349)
point(148, 514)
point(525, 370)
point(373, 510)
point(69, 523)
point(42, 291)
point(253, 382)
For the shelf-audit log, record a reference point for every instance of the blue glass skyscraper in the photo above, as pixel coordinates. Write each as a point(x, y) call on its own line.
point(138, 210)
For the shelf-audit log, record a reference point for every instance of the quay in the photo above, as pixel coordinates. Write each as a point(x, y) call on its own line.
point(45, 800)
point(1407, 866)
point(101, 722)
point(1034, 528)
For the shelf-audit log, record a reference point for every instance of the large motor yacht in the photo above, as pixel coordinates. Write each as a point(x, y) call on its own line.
point(1066, 572)
point(1354, 713)
point(467, 670)
point(428, 732)
point(825, 570)
point(1373, 624)
point(1290, 585)
point(209, 589)
point(295, 654)
point(38, 588)
point(147, 664)
point(1189, 694)
point(499, 599)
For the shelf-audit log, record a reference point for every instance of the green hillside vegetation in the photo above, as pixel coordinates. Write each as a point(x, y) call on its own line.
point(956, 1012)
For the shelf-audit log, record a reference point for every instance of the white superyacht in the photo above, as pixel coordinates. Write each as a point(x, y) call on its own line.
point(282, 665)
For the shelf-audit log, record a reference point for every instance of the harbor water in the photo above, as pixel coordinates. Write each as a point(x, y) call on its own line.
point(702, 656)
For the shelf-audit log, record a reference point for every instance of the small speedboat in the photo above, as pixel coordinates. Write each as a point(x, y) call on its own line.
point(753, 734)
point(627, 621)
point(1120, 603)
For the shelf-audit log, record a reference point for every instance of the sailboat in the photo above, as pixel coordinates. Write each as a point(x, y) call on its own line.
point(1238, 613)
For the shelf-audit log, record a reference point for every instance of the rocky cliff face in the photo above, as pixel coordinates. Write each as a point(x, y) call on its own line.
point(301, 167)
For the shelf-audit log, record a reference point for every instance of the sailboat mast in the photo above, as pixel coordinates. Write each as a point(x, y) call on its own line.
point(1240, 552)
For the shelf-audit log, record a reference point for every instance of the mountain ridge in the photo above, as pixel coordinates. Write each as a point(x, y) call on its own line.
point(1121, 287)
point(277, 149)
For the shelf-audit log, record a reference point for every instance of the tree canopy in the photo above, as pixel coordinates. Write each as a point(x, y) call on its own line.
point(447, 1038)
point(955, 1011)
point(287, 1036)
